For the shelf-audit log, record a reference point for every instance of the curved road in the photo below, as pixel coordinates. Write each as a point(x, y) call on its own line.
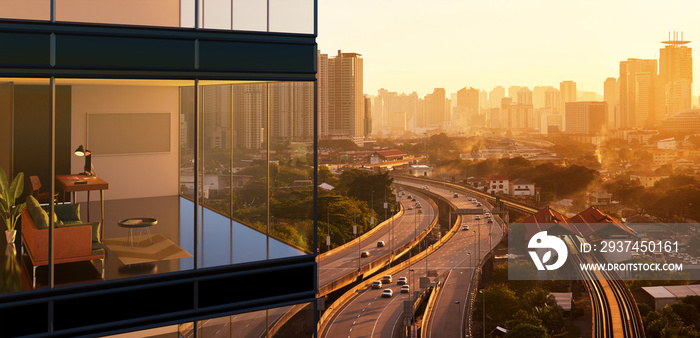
point(369, 315)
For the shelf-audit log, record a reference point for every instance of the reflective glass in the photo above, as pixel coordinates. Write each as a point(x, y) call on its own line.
point(292, 16)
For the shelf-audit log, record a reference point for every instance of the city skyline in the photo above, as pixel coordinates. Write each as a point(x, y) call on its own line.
point(535, 43)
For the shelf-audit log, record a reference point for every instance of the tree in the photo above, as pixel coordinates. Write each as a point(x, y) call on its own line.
point(538, 297)
point(527, 331)
point(501, 305)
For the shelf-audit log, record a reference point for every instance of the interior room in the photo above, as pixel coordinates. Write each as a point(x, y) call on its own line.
point(125, 161)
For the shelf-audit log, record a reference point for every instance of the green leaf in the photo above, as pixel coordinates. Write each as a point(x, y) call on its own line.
point(3, 181)
point(18, 182)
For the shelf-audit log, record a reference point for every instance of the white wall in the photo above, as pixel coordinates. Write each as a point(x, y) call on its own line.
point(129, 176)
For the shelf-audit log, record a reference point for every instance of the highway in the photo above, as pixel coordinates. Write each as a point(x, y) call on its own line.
point(369, 315)
point(343, 261)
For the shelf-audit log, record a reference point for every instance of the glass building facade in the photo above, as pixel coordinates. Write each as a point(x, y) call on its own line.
point(198, 210)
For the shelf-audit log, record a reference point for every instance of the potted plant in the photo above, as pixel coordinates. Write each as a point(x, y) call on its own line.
point(9, 212)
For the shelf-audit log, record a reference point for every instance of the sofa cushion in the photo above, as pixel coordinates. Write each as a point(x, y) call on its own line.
point(37, 213)
point(68, 212)
point(96, 227)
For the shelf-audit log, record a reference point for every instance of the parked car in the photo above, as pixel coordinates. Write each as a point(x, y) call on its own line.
point(364, 254)
point(377, 284)
point(386, 279)
point(405, 289)
point(381, 244)
point(387, 293)
point(402, 281)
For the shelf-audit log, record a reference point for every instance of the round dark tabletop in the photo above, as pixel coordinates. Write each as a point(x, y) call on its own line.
point(137, 222)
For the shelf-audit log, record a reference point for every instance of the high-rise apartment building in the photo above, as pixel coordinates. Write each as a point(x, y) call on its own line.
point(322, 94)
point(641, 99)
point(513, 92)
point(495, 96)
point(552, 99)
point(611, 96)
point(467, 105)
point(346, 107)
point(568, 92)
point(586, 117)
point(435, 110)
point(676, 73)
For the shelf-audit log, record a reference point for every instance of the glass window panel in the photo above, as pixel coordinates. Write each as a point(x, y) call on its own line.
point(25, 9)
point(25, 110)
point(163, 13)
point(249, 15)
point(292, 16)
point(118, 121)
point(291, 168)
point(187, 13)
point(217, 14)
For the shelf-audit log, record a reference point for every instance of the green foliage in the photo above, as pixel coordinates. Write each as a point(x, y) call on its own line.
point(367, 187)
point(524, 330)
point(674, 198)
point(9, 193)
point(676, 320)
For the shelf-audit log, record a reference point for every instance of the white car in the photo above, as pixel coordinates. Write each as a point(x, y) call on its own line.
point(405, 289)
point(387, 293)
point(465, 227)
point(410, 207)
point(402, 281)
point(377, 284)
point(477, 217)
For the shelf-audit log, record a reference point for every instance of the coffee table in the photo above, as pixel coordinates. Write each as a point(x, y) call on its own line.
point(138, 223)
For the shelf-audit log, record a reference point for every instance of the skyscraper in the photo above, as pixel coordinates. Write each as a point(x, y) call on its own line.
point(639, 94)
point(467, 105)
point(611, 92)
point(322, 93)
point(568, 92)
point(585, 117)
point(435, 113)
point(676, 73)
point(346, 106)
point(495, 96)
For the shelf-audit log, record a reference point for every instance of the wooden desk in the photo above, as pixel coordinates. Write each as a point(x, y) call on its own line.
point(68, 184)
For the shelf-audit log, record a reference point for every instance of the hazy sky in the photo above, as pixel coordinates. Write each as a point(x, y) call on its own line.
point(417, 45)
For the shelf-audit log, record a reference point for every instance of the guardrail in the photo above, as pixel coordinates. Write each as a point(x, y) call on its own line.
point(332, 310)
point(512, 204)
point(429, 308)
point(378, 263)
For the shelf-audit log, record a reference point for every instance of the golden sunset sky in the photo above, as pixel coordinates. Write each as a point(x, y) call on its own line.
point(417, 45)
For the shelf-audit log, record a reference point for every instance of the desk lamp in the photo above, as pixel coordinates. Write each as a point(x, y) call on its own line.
point(88, 161)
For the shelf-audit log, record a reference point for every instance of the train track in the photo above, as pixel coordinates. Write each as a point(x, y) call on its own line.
point(615, 313)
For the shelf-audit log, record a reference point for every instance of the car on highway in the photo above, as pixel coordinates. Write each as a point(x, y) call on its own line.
point(410, 207)
point(489, 221)
point(465, 227)
point(402, 281)
point(477, 217)
point(487, 214)
point(386, 279)
point(381, 244)
point(420, 211)
point(409, 197)
point(364, 254)
point(456, 195)
point(413, 199)
point(387, 293)
point(405, 289)
point(418, 205)
point(377, 284)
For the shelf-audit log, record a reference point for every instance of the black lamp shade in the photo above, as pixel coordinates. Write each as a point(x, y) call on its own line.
point(88, 160)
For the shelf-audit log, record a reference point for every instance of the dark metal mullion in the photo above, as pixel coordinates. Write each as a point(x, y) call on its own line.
point(52, 190)
point(196, 196)
point(315, 192)
point(230, 169)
